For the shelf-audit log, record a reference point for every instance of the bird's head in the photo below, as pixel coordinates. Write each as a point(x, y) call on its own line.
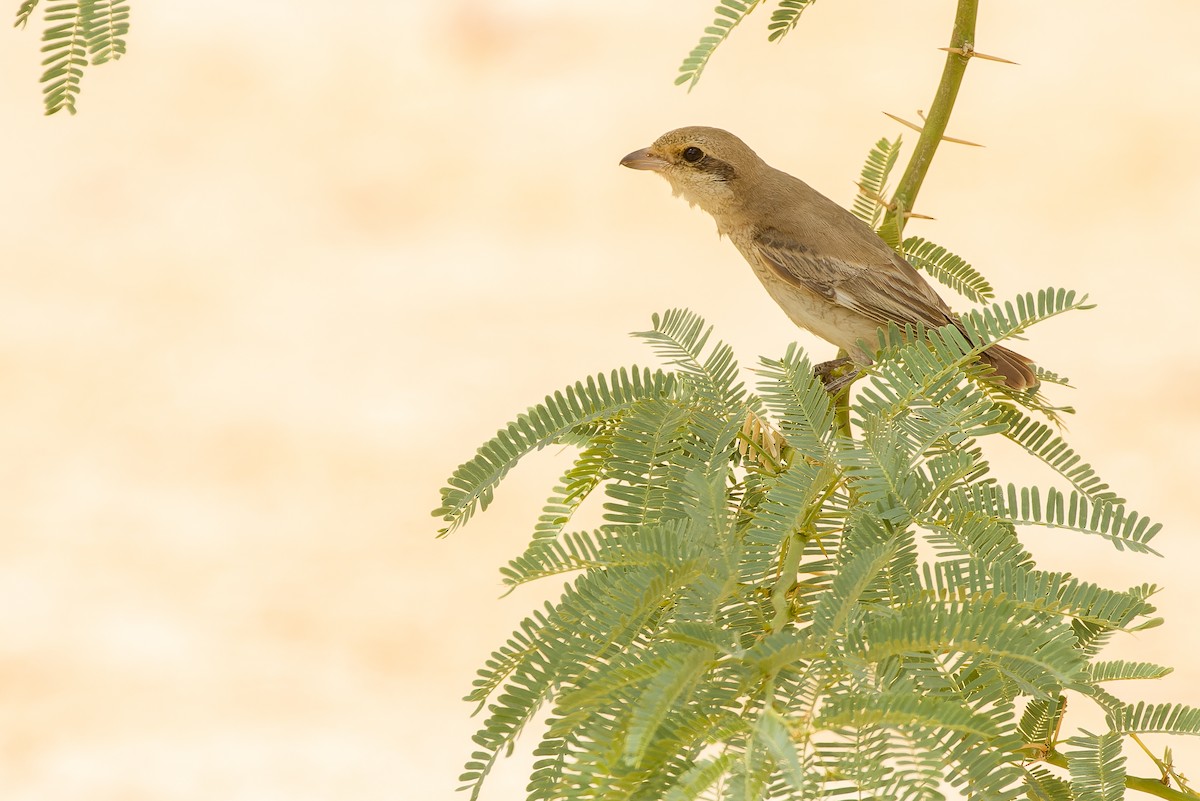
point(706, 166)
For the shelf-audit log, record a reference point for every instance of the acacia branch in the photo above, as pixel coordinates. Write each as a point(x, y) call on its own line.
point(1151, 786)
point(962, 40)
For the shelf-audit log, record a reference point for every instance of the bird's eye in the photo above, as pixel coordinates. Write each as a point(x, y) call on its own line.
point(692, 154)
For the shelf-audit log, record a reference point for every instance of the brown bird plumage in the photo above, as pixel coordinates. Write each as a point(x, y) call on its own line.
point(826, 268)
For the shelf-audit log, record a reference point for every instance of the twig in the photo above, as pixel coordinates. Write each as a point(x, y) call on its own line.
point(962, 40)
point(1142, 784)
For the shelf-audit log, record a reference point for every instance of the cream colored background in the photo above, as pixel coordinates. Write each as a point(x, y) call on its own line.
point(293, 262)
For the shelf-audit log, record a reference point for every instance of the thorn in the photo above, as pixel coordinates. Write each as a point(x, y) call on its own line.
point(862, 190)
point(960, 141)
point(970, 52)
point(890, 205)
point(905, 122)
point(919, 129)
point(986, 57)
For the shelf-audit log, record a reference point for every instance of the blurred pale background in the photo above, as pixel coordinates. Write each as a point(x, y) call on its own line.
point(292, 263)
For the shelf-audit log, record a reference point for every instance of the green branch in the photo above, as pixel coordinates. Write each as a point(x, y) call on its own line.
point(963, 40)
point(1141, 784)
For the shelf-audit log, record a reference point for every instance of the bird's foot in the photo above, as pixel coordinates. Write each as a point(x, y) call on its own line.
point(837, 374)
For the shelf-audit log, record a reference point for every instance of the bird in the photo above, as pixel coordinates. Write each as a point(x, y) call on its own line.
point(828, 270)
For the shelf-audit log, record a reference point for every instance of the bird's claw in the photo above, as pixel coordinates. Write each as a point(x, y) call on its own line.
point(837, 374)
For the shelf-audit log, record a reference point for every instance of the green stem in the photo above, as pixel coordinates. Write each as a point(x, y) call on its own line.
point(1157, 762)
point(841, 414)
point(841, 404)
point(962, 38)
point(785, 582)
point(1144, 785)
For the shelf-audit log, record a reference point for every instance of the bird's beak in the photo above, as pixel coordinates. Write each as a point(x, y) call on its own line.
point(643, 160)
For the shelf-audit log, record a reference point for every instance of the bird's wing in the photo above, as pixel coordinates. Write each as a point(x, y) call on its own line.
point(882, 289)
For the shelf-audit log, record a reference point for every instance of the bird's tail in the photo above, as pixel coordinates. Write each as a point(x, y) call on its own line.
point(1012, 367)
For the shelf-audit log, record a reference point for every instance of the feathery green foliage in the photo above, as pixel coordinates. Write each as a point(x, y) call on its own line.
point(1143, 718)
point(597, 402)
point(1097, 767)
point(764, 625)
point(869, 203)
point(66, 49)
point(784, 18)
point(730, 13)
point(1122, 670)
point(949, 269)
point(78, 34)
point(799, 596)
point(27, 7)
point(106, 25)
point(1040, 720)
